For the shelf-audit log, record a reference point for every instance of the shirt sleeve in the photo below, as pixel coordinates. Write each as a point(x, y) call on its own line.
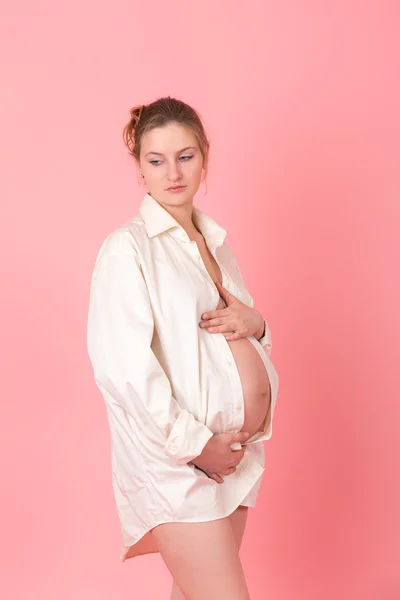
point(266, 340)
point(119, 335)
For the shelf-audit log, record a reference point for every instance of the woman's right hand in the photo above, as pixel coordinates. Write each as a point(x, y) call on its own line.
point(217, 458)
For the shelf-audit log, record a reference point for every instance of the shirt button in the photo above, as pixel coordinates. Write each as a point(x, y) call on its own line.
point(238, 406)
point(229, 363)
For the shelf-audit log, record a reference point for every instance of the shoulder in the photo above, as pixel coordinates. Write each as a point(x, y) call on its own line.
point(127, 238)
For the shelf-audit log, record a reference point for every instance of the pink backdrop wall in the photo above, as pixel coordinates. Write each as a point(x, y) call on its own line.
point(301, 101)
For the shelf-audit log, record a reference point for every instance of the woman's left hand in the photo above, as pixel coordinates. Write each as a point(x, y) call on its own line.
point(235, 321)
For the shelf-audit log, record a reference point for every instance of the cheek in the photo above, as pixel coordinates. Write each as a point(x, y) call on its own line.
point(154, 176)
point(194, 170)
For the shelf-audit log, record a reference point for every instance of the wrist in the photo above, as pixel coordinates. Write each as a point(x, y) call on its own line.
point(260, 332)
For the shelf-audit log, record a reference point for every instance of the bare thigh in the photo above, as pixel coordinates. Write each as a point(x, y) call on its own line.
point(203, 558)
point(238, 521)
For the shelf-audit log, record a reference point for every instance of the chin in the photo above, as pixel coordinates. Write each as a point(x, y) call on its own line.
point(177, 199)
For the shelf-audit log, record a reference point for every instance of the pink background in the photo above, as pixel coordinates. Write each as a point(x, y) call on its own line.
point(301, 102)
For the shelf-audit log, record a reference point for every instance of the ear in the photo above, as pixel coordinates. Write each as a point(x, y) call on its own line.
point(139, 174)
point(205, 163)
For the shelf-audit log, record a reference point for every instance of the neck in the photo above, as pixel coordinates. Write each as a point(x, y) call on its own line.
point(183, 214)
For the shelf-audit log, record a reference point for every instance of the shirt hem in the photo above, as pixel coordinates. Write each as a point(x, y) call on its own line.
point(231, 505)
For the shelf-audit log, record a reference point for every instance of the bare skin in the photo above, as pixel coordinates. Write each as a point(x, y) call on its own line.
point(200, 569)
point(171, 156)
point(238, 521)
point(203, 558)
point(254, 379)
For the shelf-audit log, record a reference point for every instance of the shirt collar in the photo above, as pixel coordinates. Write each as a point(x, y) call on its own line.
point(157, 220)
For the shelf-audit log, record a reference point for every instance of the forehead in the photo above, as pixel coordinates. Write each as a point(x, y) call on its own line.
point(168, 139)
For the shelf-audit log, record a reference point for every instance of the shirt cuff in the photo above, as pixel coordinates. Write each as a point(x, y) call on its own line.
point(187, 439)
point(266, 340)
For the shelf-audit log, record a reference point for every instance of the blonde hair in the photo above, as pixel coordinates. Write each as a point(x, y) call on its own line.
point(159, 113)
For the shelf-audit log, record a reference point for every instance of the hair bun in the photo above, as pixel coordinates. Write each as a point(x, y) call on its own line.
point(136, 113)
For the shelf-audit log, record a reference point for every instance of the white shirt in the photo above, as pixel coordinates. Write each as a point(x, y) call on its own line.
point(168, 385)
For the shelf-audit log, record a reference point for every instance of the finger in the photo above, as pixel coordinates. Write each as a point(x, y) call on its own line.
point(238, 456)
point(218, 321)
point(227, 296)
point(228, 471)
point(230, 335)
point(228, 328)
point(215, 314)
point(212, 321)
point(240, 436)
point(216, 477)
point(237, 335)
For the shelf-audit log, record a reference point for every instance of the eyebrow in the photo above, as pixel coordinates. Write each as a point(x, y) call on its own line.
point(179, 151)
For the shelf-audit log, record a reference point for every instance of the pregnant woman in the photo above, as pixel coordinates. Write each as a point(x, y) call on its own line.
point(182, 359)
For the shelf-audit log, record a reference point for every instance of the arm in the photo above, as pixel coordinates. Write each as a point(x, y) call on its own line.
point(119, 335)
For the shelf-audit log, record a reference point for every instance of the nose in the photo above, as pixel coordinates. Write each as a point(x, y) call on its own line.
point(174, 173)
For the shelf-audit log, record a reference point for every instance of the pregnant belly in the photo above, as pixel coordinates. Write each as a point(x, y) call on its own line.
point(255, 384)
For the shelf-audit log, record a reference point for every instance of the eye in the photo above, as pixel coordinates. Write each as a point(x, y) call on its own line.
point(184, 158)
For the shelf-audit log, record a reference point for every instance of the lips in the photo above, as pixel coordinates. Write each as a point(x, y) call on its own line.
point(176, 187)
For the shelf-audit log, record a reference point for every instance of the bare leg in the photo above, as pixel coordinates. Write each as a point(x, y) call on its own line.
point(200, 568)
point(238, 522)
point(176, 594)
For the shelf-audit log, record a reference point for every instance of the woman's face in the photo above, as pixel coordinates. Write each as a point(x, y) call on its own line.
point(169, 157)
